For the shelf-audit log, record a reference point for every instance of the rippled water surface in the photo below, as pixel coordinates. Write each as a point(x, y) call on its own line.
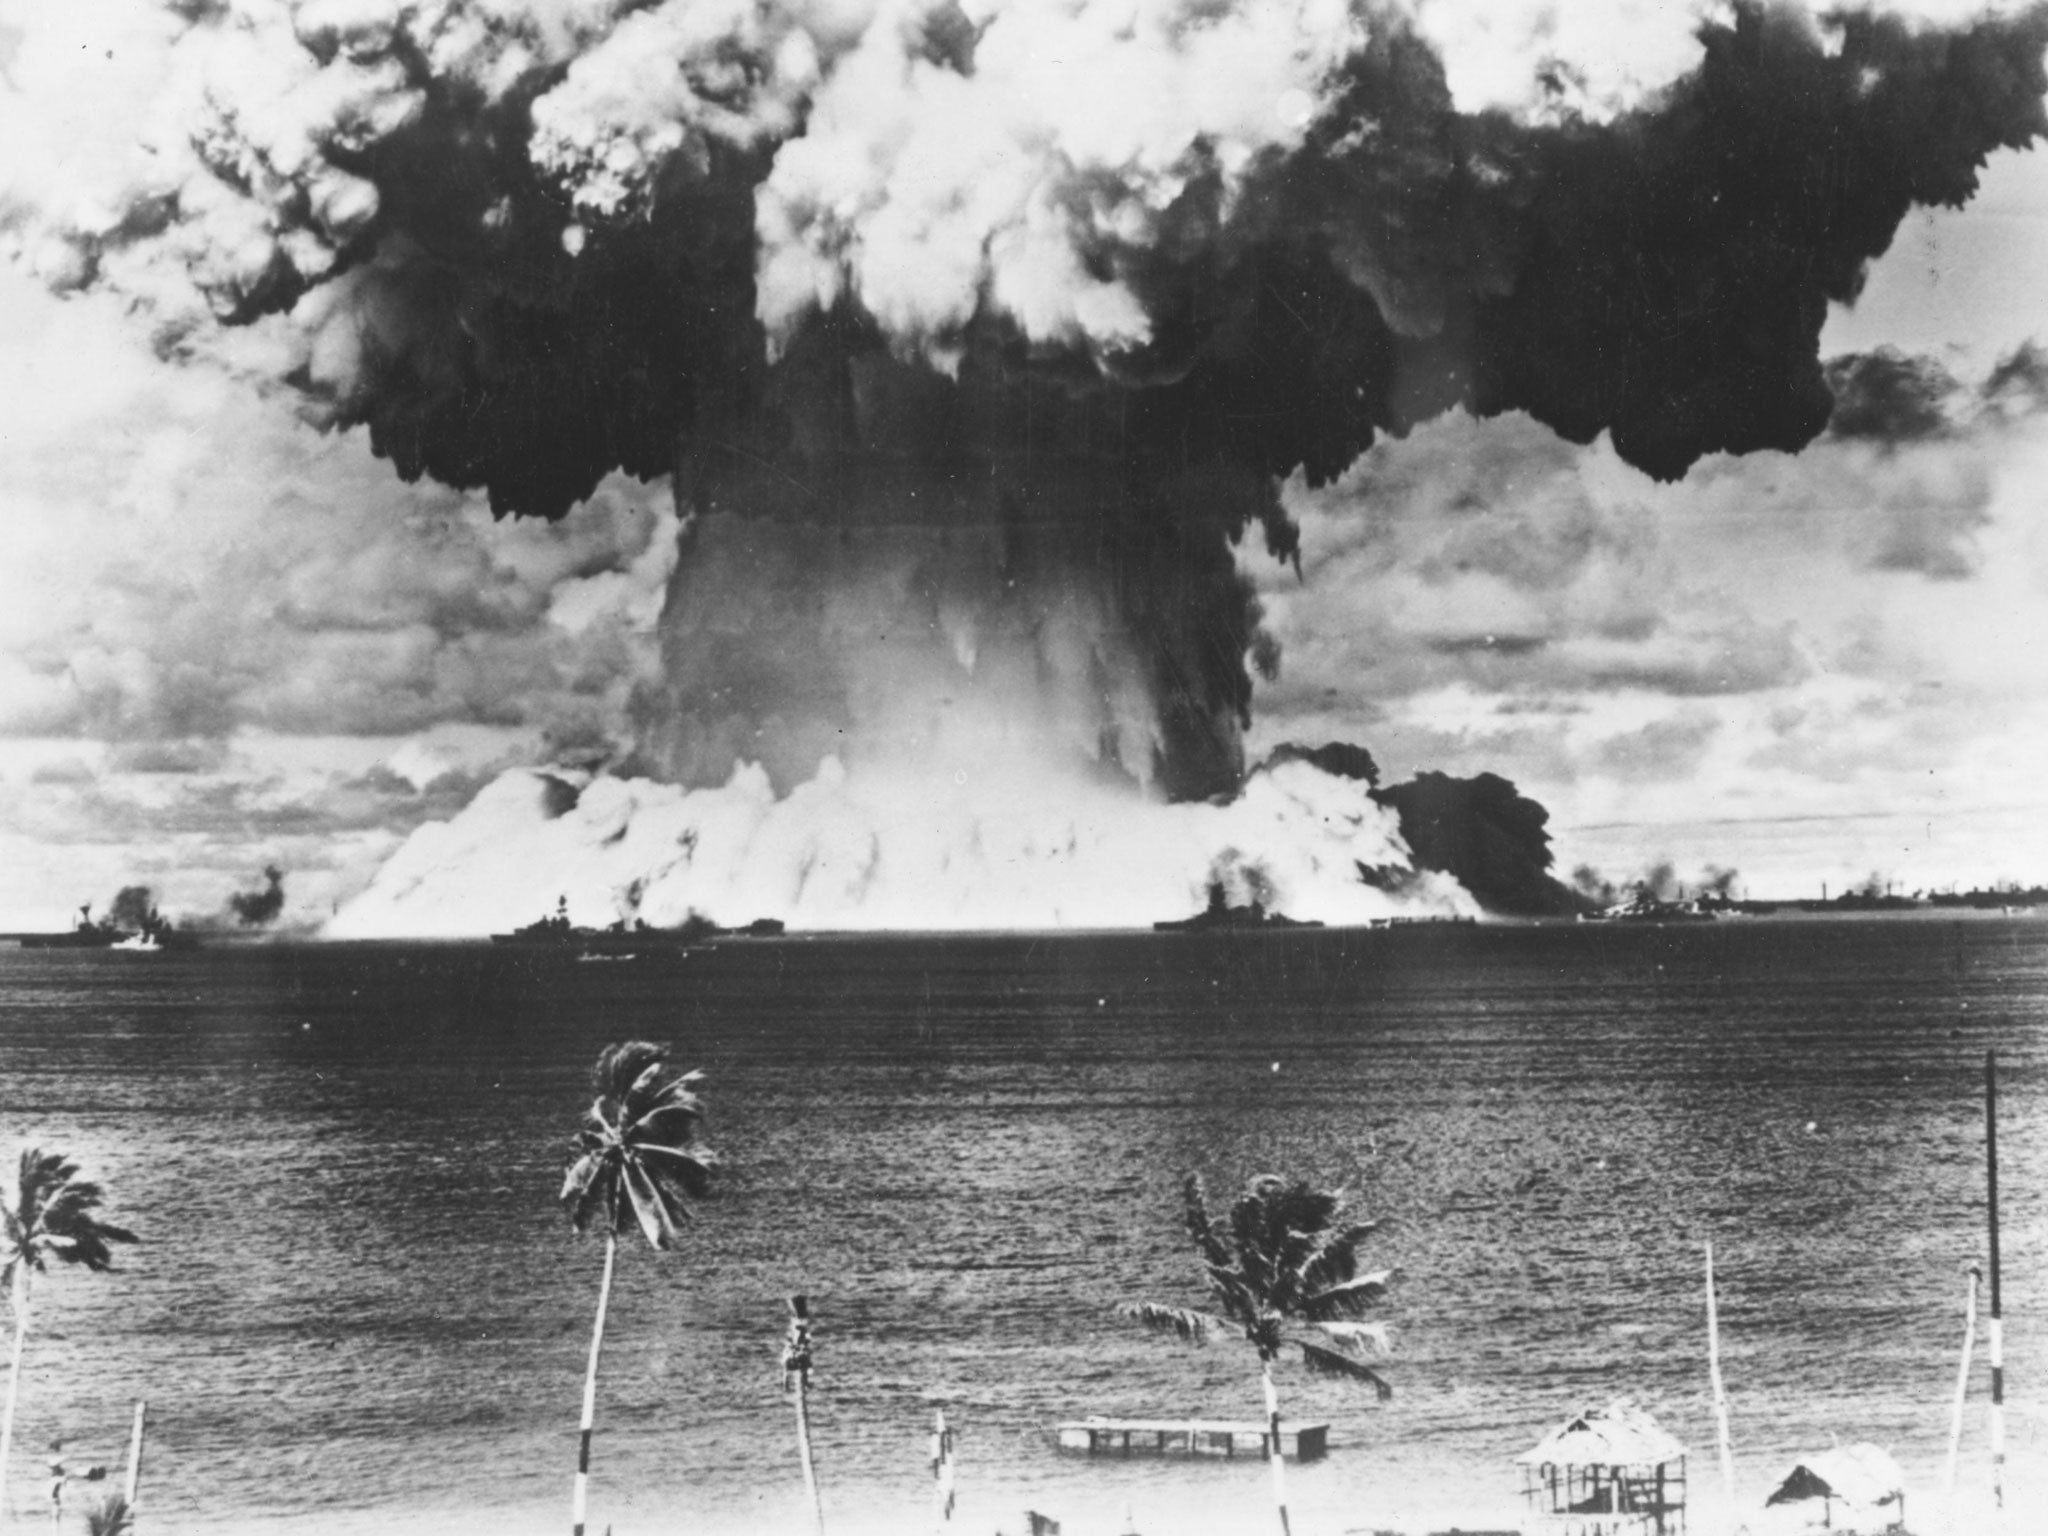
point(359, 1309)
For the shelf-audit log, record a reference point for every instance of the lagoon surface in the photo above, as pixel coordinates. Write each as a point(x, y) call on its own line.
point(359, 1309)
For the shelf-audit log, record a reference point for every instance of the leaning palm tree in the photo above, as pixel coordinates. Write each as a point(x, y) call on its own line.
point(1280, 1259)
point(111, 1516)
point(50, 1214)
point(635, 1159)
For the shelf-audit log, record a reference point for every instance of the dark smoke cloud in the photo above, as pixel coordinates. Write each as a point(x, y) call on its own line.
point(134, 908)
point(1888, 396)
point(504, 308)
point(1340, 759)
point(1659, 881)
point(1484, 832)
point(1717, 881)
point(1893, 397)
point(1592, 887)
point(258, 909)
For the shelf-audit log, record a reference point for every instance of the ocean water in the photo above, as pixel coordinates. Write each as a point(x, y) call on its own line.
point(357, 1307)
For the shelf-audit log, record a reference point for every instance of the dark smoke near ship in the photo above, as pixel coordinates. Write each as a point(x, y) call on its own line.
point(976, 338)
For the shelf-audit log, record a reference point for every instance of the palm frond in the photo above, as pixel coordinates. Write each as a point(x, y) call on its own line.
point(585, 1189)
point(636, 1158)
point(1184, 1323)
point(686, 1175)
point(1358, 1335)
point(1281, 1253)
point(54, 1216)
point(1203, 1227)
point(645, 1092)
point(110, 1516)
point(621, 1065)
point(652, 1206)
point(1240, 1300)
point(1329, 1362)
point(1362, 1231)
point(673, 1118)
point(1333, 1257)
point(1338, 1300)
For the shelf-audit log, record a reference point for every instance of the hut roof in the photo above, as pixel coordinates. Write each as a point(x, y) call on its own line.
point(1860, 1474)
point(1619, 1435)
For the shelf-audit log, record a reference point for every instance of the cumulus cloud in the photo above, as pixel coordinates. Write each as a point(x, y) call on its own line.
point(1777, 635)
point(190, 560)
point(184, 757)
point(1670, 748)
point(926, 189)
point(1583, 60)
point(69, 770)
point(78, 819)
point(1493, 553)
point(1497, 554)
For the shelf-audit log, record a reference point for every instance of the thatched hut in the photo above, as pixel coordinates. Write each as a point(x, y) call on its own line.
point(1851, 1488)
point(1609, 1471)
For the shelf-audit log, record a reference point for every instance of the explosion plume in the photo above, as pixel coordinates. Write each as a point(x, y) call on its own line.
point(258, 909)
point(975, 337)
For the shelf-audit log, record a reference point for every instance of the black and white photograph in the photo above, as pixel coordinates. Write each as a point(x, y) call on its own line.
point(1024, 767)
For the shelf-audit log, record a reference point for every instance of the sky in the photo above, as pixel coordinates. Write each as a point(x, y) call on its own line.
point(232, 638)
point(1808, 668)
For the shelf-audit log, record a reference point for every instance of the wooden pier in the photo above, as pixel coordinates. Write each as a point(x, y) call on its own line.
point(1191, 1437)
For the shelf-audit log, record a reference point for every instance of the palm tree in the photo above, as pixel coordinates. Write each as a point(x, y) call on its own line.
point(635, 1159)
point(796, 1380)
point(50, 1216)
point(1281, 1258)
point(111, 1516)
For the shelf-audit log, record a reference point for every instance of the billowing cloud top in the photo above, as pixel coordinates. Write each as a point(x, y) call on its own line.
point(531, 241)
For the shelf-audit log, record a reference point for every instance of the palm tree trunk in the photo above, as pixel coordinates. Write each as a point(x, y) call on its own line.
point(20, 1300)
point(803, 1449)
point(604, 1296)
point(1273, 1443)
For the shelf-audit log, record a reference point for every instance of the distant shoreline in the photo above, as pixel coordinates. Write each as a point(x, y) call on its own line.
point(1746, 915)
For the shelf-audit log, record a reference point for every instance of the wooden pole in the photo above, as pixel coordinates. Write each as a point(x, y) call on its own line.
point(796, 1378)
point(1720, 1392)
point(1273, 1444)
point(1995, 1339)
point(1955, 1428)
point(942, 1467)
point(134, 1459)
